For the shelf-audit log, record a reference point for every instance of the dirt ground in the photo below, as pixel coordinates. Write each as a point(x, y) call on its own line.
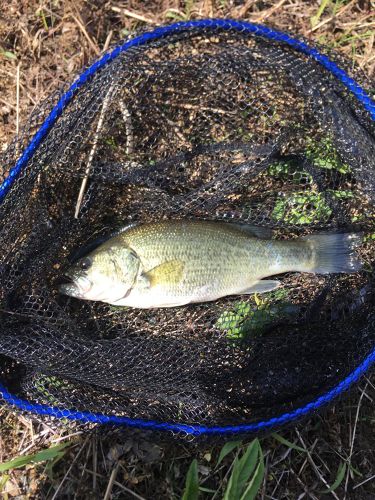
point(43, 45)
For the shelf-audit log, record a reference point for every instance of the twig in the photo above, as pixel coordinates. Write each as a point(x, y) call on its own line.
point(197, 107)
point(265, 476)
point(329, 19)
point(18, 98)
point(65, 438)
point(94, 462)
point(116, 483)
point(278, 480)
point(4, 101)
point(110, 482)
point(175, 128)
point(315, 467)
point(306, 459)
point(135, 495)
point(87, 36)
point(226, 475)
point(107, 41)
point(369, 50)
point(243, 10)
point(268, 12)
point(84, 468)
point(353, 439)
point(363, 482)
point(304, 486)
point(70, 468)
point(126, 116)
point(93, 151)
point(208, 8)
point(134, 15)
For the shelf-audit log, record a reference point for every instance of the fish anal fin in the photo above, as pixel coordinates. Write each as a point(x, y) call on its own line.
point(168, 273)
point(261, 286)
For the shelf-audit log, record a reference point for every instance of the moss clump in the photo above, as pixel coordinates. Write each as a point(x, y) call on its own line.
point(306, 207)
point(323, 155)
point(289, 170)
point(254, 317)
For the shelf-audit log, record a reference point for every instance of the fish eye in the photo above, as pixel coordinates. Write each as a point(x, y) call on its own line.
point(85, 263)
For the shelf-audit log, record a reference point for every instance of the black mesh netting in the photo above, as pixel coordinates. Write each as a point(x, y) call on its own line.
point(211, 124)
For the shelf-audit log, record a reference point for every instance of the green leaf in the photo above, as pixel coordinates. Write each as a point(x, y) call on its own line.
point(8, 54)
point(253, 487)
point(339, 477)
point(232, 486)
point(192, 483)
point(242, 470)
point(301, 207)
point(315, 19)
point(248, 463)
point(174, 15)
point(323, 154)
point(287, 443)
point(3, 481)
point(44, 20)
point(41, 456)
point(226, 449)
point(206, 490)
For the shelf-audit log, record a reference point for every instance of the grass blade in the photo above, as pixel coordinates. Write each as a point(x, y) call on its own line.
point(315, 19)
point(242, 470)
point(253, 487)
point(287, 443)
point(192, 483)
point(8, 54)
point(232, 486)
point(226, 449)
point(339, 477)
point(41, 456)
point(248, 463)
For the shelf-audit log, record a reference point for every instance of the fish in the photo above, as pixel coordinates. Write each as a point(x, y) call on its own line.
point(178, 262)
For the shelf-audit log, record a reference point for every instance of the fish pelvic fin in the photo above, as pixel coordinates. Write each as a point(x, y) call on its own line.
point(168, 273)
point(334, 253)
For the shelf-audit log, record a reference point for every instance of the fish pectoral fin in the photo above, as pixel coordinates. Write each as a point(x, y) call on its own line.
point(261, 286)
point(168, 273)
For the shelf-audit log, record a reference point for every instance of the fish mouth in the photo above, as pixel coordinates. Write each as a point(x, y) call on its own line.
point(76, 286)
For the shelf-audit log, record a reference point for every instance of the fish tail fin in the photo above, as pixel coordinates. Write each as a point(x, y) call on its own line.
point(335, 253)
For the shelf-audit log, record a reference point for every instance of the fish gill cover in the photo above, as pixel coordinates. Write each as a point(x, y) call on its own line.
point(212, 119)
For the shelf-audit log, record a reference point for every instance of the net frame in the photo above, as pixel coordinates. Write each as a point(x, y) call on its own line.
point(195, 430)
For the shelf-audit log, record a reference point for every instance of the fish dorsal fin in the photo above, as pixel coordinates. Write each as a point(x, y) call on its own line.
point(117, 232)
point(99, 240)
point(168, 273)
point(265, 233)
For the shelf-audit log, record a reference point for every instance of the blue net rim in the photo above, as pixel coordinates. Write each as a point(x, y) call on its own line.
point(161, 32)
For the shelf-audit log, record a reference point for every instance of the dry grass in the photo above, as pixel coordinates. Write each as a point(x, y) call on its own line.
point(45, 43)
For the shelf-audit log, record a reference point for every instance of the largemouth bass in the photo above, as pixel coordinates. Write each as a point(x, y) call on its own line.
point(174, 263)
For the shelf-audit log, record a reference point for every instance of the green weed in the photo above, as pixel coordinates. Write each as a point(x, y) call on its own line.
point(192, 482)
point(322, 154)
point(181, 16)
point(8, 54)
point(253, 319)
point(324, 4)
point(303, 207)
point(287, 169)
point(246, 477)
point(50, 454)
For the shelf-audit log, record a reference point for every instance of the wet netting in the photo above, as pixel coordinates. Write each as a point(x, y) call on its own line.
point(209, 119)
